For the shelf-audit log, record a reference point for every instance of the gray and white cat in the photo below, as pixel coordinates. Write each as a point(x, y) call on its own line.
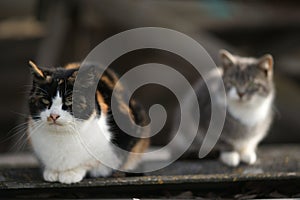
point(250, 93)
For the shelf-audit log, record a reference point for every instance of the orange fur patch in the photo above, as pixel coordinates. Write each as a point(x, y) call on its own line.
point(112, 84)
point(139, 147)
point(113, 75)
point(108, 82)
point(103, 105)
point(72, 66)
point(125, 109)
point(115, 79)
point(36, 69)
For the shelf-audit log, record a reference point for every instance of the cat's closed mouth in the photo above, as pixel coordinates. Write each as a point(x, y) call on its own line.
point(65, 158)
point(56, 124)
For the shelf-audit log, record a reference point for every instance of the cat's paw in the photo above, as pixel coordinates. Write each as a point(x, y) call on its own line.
point(249, 157)
point(231, 159)
point(50, 175)
point(101, 171)
point(71, 176)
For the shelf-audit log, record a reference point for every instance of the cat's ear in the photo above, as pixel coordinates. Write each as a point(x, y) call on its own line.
point(73, 75)
point(227, 59)
point(266, 64)
point(36, 71)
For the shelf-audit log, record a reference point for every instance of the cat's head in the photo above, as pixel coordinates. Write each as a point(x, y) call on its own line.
point(50, 100)
point(247, 80)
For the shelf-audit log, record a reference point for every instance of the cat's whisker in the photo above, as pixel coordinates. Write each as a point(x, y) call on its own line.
point(24, 137)
point(20, 133)
point(16, 145)
point(78, 120)
point(39, 126)
point(20, 114)
point(276, 111)
point(26, 87)
point(16, 131)
point(17, 126)
point(50, 97)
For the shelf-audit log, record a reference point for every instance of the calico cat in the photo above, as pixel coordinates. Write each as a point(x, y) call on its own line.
point(250, 93)
point(52, 126)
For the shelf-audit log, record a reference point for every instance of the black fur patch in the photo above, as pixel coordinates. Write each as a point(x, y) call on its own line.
point(62, 80)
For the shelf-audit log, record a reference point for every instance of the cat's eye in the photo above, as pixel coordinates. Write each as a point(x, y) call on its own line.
point(68, 103)
point(45, 101)
point(252, 85)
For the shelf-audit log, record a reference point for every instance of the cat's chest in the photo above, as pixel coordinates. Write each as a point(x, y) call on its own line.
point(55, 147)
point(72, 149)
point(250, 115)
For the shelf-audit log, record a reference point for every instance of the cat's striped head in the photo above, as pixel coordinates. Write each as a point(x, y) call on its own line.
point(50, 98)
point(247, 80)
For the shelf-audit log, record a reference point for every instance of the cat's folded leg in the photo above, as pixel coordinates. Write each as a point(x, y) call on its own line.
point(248, 155)
point(50, 175)
point(101, 171)
point(72, 176)
point(230, 158)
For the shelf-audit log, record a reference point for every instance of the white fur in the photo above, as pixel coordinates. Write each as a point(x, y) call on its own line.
point(67, 157)
point(231, 159)
point(249, 112)
point(248, 157)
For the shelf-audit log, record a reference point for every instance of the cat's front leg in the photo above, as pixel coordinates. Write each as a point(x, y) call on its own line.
point(50, 175)
point(101, 171)
point(72, 176)
point(230, 158)
point(248, 154)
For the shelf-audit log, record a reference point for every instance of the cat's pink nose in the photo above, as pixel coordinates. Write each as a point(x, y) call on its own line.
point(241, 94)
point(54, 117)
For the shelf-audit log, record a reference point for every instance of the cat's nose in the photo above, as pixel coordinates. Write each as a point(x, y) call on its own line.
point(54, 117)
point(241, 94)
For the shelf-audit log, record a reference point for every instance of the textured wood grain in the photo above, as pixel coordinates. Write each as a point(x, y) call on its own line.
point(277, 166)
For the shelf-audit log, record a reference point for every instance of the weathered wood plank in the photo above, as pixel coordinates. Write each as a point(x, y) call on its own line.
point(276, 164)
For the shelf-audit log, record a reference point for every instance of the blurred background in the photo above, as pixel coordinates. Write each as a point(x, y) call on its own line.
point(53, 33)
